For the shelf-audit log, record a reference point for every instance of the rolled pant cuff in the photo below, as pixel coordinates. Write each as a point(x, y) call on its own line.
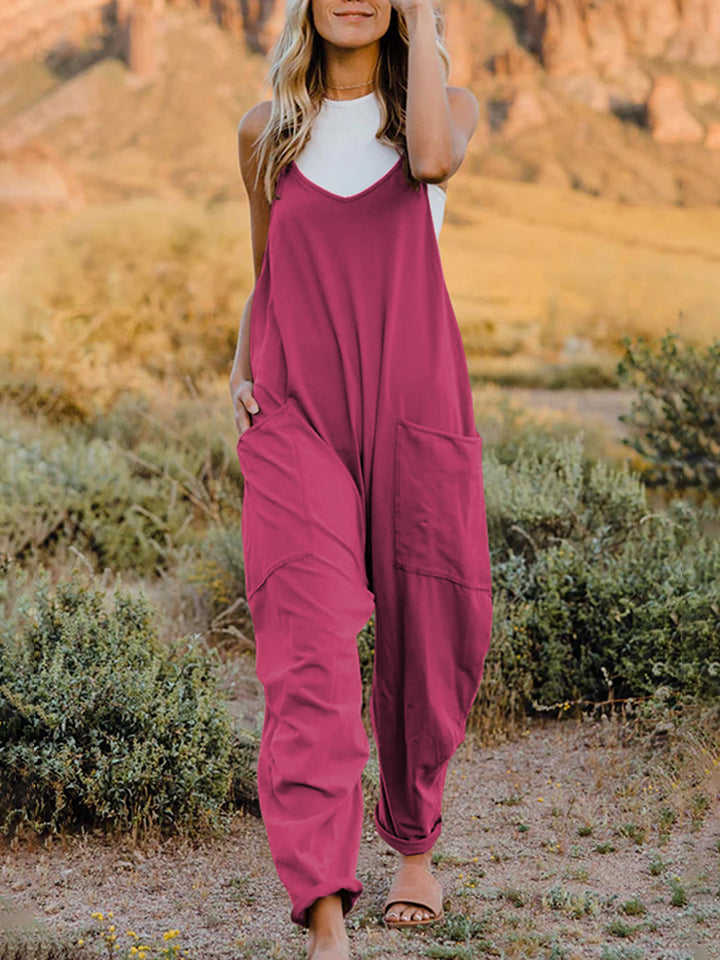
point(349, 891)
point(407, 847)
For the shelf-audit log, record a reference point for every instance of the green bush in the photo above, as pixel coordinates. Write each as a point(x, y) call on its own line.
point(59, 491)
point(125, 490)
point(676, 416)
point(552, 493)
point(595, 595)
point(101, 724)
point(591, 620)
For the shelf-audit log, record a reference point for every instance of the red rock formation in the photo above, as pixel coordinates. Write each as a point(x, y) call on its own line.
point(607, 38)
point(668, 116)
point(572, 35)
point(34, 176)
point(559, 33)
point(513, 62)
point(648, 24)
point(142, 54)
point(457, 42)
point(525, 110)
point(712, 139)
point(29, 28)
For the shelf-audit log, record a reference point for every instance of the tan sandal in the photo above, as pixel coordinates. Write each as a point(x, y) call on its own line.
point(410, 885)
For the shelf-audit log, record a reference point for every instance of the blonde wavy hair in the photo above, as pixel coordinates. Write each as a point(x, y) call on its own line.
point(296, 75)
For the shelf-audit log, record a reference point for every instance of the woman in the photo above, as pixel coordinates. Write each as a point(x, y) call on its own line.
point(360, 455)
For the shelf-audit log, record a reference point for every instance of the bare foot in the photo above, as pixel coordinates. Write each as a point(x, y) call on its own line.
point(411, 911)
point(327, 935)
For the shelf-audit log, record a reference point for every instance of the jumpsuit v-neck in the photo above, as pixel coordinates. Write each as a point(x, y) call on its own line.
point(363, 489)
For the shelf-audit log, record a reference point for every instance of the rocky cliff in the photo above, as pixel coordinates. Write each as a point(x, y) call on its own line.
point(618, 98)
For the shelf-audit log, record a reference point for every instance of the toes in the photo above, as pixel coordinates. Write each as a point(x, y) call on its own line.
point(407, 912)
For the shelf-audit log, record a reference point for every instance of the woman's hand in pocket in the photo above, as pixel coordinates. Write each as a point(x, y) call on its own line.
point(244, 403)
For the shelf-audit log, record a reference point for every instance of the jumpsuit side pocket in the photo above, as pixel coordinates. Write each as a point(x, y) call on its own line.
point(274, 520)
point(439, 505)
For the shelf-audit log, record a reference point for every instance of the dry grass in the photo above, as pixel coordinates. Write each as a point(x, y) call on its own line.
point(539, 275)
point(125, 296)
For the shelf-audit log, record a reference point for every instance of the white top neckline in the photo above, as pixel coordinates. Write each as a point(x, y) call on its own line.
point(344, 158)
point(334, 104)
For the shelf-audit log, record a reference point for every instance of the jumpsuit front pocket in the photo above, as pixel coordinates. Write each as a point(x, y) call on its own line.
point(274, 518)
point(439, 505)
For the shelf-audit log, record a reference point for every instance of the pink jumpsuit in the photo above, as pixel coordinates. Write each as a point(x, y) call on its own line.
point(363, 489)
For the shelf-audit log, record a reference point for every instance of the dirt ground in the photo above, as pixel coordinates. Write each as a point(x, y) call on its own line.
point(568, 842)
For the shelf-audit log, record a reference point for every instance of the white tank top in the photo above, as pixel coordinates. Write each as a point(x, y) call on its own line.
point(344, 157)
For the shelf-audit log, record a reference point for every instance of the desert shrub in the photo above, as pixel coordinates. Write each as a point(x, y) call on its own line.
point(190, 443)
point(218, 569)
point(57, 491)
point(509, 428)
point(552, 492)
point(102, 724)
point(568, 376)
point(125, 490)
point(676, 416)
point(594, 620)
point(595, 596)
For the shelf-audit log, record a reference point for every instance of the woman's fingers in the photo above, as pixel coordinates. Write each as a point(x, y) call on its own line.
point(244, 404)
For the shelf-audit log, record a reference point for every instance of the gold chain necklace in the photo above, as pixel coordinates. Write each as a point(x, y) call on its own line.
point(350, 86)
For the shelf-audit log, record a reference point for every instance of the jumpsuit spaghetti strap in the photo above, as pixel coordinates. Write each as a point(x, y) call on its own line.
point(363, 490)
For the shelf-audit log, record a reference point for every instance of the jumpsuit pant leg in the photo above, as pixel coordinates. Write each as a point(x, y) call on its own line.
point(304, 544)
point(432, 583)
point(314, 746)
point(429, 657)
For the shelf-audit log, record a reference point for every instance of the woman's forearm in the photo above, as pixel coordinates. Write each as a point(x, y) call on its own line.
point(428, 117)
point(241, 364)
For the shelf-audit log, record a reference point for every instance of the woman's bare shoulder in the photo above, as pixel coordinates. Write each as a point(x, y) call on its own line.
point(251, 125)
point(465, 109)
point(253, 121)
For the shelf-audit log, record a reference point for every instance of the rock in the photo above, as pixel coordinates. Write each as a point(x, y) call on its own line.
point(142, 39)
point(524, 111)
point(703, 93)
point(649, 25)
point(572, 35)
point(668, 116)
point(698, 40)
point(33, 176)
point(712, 138)
point(565, 47)
point(458, 43)
point(513, 62)
point(584, 87)
point(552, 174)
point(607, 37)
